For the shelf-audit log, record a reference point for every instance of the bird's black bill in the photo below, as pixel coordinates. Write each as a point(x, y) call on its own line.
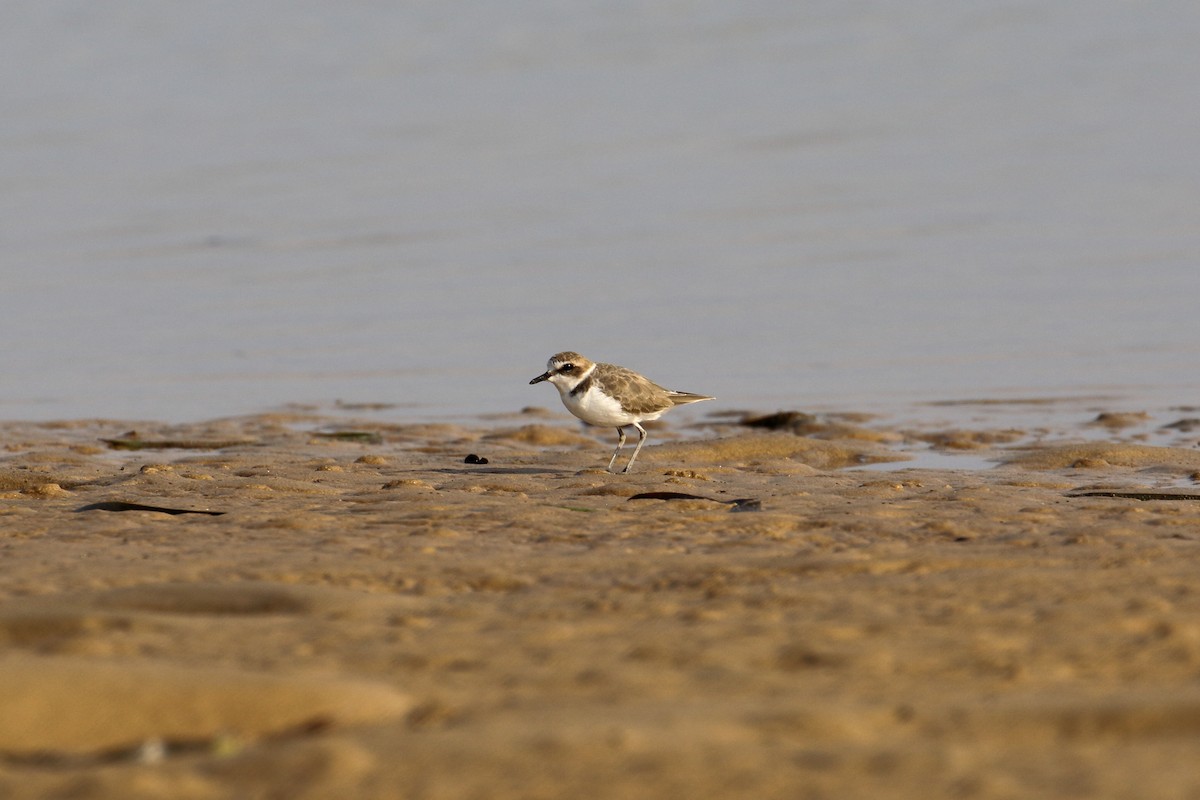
point(545, 376)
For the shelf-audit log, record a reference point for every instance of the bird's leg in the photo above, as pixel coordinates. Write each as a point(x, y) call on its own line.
point(638, 449)
point(620, 444)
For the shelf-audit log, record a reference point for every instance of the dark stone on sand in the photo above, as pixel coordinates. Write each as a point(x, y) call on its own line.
point(780, 420)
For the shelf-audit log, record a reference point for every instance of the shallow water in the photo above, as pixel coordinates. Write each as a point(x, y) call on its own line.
point(219, 208)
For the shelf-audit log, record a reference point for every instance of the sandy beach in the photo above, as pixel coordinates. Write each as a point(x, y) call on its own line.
point(319, 605)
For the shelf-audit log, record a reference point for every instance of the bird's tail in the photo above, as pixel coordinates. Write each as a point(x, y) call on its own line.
point(682, 398)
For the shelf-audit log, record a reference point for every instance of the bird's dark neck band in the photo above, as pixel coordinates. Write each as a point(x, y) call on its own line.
point(581, 388)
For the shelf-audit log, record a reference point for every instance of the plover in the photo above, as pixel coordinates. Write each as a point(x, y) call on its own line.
point(608, 395)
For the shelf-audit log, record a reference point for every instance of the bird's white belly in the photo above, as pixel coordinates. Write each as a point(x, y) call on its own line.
point(596, 408)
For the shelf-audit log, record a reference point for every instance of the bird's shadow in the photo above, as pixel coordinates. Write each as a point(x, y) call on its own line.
point(504, 470)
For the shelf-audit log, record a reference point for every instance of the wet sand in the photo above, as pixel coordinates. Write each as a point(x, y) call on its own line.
point(1014, 612)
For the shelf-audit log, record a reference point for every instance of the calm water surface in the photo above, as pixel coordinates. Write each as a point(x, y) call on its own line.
point(219, 208)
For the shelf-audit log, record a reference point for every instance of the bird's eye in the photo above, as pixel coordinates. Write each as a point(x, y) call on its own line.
point(567, 368)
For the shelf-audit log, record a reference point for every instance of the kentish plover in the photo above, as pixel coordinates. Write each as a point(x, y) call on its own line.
point(608, 395)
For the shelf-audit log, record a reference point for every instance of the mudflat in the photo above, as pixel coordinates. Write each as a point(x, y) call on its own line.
point(310, 606)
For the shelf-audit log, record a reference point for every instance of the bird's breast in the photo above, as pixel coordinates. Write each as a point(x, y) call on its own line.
point(597, 408)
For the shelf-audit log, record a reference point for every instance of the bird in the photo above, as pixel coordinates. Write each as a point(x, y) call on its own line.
point(608, 395)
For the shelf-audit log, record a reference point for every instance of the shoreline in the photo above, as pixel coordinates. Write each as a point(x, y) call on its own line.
point(362, 613)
